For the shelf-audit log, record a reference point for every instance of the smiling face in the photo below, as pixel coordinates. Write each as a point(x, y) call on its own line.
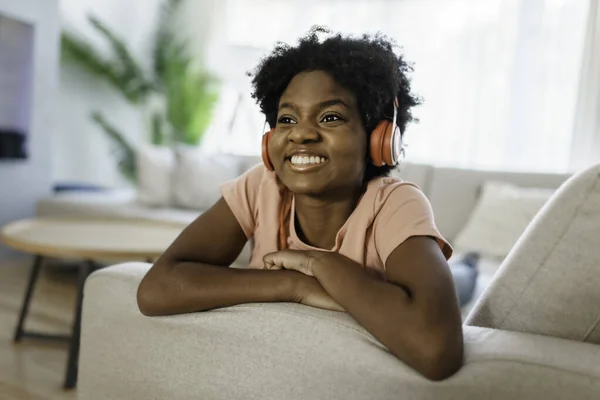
point(319, 145)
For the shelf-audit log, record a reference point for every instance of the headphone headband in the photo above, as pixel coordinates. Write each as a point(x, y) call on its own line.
point(396, 146)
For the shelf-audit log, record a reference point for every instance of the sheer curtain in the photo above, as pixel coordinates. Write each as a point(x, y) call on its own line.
point(585, 148)
point(499, 78)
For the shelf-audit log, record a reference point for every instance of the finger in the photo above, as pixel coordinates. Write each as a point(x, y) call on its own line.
point(280, 259)
point(275, 260)
point(268, 264)
point(271, 261)
point(273, 257)
point(272, 266)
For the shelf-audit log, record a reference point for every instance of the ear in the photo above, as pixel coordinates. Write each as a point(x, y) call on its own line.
point(265, 150)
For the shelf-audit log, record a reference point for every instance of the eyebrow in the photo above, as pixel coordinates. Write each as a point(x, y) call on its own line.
point(321, 105)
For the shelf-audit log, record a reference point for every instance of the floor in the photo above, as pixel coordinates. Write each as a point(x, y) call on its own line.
point(31, 369)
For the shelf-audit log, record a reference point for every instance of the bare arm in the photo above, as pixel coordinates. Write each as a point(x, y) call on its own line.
point(193, 274)
point(415, 314)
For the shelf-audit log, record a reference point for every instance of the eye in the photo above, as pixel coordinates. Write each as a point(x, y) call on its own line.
point(285, 120)
point(332, 118)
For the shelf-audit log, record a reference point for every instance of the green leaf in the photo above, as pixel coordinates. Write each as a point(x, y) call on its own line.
point(189, 93)
point(124, 151)
point(131, 74)
point(191, 96)
point(79, 51)
point(164, 39)
point(160, 134)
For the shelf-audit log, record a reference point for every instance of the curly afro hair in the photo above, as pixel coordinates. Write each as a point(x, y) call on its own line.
point(367, 65)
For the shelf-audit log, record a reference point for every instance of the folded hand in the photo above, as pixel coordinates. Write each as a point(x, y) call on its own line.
point(308, 289)
point(297, 260)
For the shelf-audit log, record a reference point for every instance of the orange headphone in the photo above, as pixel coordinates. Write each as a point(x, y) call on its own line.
point(385, 145)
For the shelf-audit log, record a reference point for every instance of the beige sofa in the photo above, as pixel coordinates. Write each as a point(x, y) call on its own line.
point(548, 285)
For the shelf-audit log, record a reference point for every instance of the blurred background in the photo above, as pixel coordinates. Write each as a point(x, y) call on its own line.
point(503, 81)
point(507, 84)
point(107, 103)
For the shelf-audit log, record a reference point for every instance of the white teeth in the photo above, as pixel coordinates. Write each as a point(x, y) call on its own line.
point(307, 160)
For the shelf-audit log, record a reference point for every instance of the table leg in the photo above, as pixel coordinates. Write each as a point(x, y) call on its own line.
point(33, 275)
point(72, 364)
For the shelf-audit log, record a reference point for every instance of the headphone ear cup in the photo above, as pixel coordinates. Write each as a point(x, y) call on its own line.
point(265, 150)
point(376, 143)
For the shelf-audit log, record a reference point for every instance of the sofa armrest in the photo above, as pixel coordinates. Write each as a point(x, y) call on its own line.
point(291, 351)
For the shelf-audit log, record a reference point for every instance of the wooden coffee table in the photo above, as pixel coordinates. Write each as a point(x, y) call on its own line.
point(89, 240)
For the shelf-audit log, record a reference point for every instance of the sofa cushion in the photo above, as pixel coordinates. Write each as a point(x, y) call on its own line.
point(453, 192)
point(197, 177)
point(550, 282)
point(247, 162)
point(500, 216)
point(185, 176)
point(155, 169)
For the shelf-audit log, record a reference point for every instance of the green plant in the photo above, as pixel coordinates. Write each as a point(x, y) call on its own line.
point(187, 92)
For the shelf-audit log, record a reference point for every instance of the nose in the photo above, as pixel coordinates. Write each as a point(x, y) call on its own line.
point(304, 134)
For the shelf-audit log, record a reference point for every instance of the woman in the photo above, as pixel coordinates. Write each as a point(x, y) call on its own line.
point(329, 228)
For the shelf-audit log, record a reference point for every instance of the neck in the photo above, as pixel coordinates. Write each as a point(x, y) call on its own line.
point(318, 219)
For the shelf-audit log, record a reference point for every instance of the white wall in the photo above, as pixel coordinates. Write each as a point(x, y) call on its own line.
point(22, 182)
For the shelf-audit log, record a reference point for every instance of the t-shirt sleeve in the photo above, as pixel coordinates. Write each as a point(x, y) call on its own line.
point(405, 213)
point(241, 195)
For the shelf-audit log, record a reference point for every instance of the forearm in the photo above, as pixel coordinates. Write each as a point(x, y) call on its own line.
point(373, 303)
point(387, 312)
point(189, 287)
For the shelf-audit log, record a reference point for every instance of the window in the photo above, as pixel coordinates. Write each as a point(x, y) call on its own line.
point(499, 78)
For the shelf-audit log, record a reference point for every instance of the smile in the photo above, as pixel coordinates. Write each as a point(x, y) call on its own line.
point(306, 162)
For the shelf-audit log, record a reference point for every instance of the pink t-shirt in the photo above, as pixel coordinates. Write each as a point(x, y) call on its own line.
point(389, 212)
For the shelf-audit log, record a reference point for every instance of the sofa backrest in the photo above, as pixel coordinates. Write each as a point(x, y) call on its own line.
point(549, 282)
point(247, 162)
point(453, 192)
point(419, 174)
point(294, 352)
